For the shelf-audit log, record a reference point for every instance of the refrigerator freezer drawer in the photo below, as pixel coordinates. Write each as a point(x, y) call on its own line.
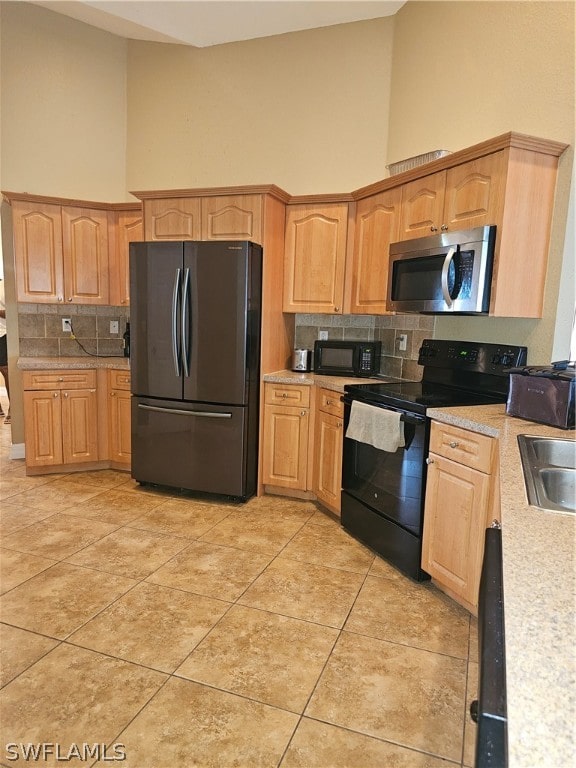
point(194, 446)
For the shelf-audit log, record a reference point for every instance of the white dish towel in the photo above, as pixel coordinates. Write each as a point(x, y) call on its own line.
point(378, 427)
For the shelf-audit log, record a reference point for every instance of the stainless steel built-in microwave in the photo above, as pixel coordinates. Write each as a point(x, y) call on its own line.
point(450, 272)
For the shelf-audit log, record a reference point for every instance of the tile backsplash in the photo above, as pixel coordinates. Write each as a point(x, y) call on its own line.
point(41, 335)
point(384, 328)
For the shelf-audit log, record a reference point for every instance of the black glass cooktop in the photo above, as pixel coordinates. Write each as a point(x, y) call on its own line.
point(417, 396)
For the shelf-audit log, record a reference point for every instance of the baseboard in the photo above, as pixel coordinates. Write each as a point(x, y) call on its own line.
point(17, 451)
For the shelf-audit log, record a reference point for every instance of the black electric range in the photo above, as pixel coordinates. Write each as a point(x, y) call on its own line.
point(383, 491)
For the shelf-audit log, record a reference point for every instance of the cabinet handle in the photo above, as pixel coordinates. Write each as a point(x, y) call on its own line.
point(112, 394)
point(329, 402)
point(433, 229)
point(444, 227)
point(429, 460)
point(336, 309)
point(339, 425)
point(55, 394)
point(60, 298)
point(284, 395)
point(60, 378)
point(453, 444)
point(65, 394)
point(302, 413)
point(70, 298)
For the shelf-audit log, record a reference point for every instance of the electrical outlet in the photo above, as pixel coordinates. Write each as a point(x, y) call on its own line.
point(323, 335)
point(402, 341)
point(66, 325)
point(113, 326)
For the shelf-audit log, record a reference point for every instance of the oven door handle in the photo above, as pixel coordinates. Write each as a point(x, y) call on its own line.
point(409, 418)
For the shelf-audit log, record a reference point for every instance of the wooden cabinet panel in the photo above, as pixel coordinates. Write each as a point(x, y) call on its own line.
point(60, 417)
point(315, 258)
point(422, 206)
point(43, 428)
point(287, 394)
point(172, 219)
point(119, 380)
point(377, 225)
point(79, 426)
point(232, 217)
point(128, 228)
point(285, 457)
point(85, 255)
point(455, 519)
point(119, 426)
point(461, 445)
point(38, 252)
point(474, 193)
point(328, 445)
point(462, 497)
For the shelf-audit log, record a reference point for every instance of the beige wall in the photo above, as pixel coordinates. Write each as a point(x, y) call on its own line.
point(307, 111)
point(63, 106)
point(465, 71)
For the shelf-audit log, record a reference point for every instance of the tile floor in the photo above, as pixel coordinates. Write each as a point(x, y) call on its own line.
point(175, 633)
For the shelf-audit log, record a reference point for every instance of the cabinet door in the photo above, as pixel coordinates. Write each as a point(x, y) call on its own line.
point(128, 229)
point(232, 217)
point(79, 426)
point(85, 250)
point(285, 455)
point(119, 426)
point(475, 193)
point(328, 460)
point(422, 206)
point(172, 219)
point(377, 225)
point(38, 252)
point(456, 510)
point(43, 428)
point(315, 256)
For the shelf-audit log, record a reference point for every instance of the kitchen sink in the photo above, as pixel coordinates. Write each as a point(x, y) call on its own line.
point(549, 466)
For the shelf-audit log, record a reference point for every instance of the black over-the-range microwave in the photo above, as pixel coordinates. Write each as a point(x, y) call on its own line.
point(347, 358)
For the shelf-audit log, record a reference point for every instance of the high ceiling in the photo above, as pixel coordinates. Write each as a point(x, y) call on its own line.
point(203, 23)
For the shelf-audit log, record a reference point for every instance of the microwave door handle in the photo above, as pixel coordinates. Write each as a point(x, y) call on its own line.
point(445, 269)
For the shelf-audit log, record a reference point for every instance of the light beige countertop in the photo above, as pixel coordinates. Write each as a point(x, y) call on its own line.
point(336, 383)
point(539, 600)
point(72, 363)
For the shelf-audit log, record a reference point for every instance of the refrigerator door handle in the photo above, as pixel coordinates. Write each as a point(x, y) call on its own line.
point(180, 412)
point(175, 293)
point(184, 322)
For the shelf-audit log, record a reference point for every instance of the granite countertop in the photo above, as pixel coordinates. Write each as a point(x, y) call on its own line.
point(336, 383)
point(72, 363)
point(539, 599)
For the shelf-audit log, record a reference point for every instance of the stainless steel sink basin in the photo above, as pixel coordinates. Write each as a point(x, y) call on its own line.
point(549, 466)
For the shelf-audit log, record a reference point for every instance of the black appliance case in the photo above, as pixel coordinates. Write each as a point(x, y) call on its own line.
point(543, 394)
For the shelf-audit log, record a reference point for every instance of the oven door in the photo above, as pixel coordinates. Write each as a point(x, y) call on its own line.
point(383, 493)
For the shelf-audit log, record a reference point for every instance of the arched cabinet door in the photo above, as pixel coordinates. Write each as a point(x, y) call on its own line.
point(474, 194)
point(38, 252)
point(172, 219)
point(86, 255)
point(315, 257)
point(232, 217)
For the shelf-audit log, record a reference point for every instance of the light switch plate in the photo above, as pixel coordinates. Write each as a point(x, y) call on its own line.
point(113, 326)
point(323, 335)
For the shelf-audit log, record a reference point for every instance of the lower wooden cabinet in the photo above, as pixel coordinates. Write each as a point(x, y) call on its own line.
point(60, 418)
point(286, 436)
point(119, 419)
point(461, 500)
point(71, 423)
point(328, 444)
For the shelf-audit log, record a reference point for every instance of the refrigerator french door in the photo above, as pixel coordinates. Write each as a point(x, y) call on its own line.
point(195, 349)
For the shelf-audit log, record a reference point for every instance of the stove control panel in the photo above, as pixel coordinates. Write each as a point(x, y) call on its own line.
point(480, 357)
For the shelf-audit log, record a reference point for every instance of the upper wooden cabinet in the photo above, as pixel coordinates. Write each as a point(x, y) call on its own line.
point(221, 217)
point(466, 196)
point(76, 253)
point(128, 228)
point(315, 257)
point(377, 225)
point(232, 217)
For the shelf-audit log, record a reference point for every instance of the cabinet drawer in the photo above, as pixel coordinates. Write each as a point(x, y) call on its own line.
point(329, 402)
point(461, 445)
point(80, 379)
point(119, 379)
point(287, 394)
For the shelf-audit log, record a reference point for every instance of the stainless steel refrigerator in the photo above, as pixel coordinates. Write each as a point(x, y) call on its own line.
point(195, 314)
